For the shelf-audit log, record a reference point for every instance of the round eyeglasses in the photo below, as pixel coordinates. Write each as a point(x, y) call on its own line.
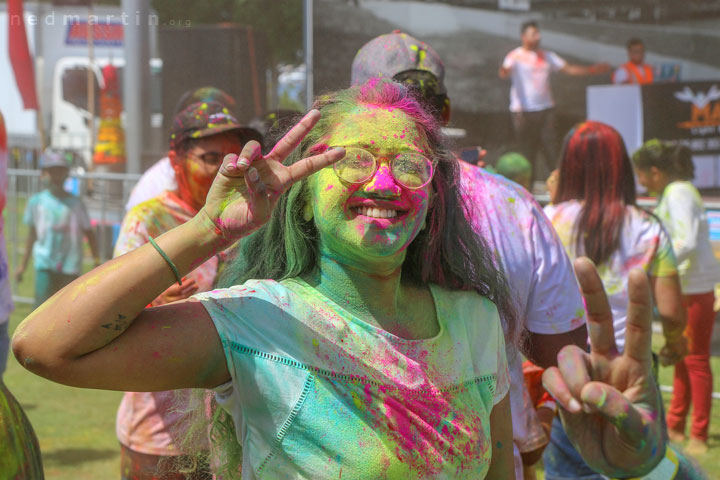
point(411, 170)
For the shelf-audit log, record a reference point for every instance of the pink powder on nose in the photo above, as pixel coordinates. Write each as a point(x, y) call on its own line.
point(383, 180)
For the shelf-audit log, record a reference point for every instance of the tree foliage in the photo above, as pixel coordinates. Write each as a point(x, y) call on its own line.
point(280, 21)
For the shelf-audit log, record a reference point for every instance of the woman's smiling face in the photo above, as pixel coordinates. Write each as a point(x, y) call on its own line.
point(377, 219)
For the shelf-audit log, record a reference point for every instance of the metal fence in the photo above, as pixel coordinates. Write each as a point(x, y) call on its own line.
point(104, 195)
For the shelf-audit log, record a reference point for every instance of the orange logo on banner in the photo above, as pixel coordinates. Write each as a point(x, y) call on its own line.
point(704, 110)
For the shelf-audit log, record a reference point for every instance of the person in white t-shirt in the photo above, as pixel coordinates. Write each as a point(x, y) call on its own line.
point(531, 101)
point(156, 179)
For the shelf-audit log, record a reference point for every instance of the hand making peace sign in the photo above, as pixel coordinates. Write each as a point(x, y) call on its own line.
point(611, 402)
point(248, 185)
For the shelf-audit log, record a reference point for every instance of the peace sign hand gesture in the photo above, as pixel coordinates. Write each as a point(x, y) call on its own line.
point(248, 185)
point(611, 401)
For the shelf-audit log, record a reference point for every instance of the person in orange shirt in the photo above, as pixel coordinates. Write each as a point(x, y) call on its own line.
point(635, 71)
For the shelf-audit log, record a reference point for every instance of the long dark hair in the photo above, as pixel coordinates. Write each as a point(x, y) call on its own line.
point(595, 169)
point(448, 252)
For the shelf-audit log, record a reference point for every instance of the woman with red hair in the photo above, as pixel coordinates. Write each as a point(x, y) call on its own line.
point(596, 215)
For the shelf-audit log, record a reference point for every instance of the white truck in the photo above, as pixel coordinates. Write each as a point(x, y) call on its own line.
point(57, 37)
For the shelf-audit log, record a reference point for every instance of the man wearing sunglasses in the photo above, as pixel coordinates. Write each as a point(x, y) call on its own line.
point(201, 135)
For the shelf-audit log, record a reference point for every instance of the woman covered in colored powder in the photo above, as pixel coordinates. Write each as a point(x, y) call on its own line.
point(364, 339)
point(596, 215)
point(667, 171)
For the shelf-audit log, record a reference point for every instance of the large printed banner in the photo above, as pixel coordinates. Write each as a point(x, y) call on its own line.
point(686, 112)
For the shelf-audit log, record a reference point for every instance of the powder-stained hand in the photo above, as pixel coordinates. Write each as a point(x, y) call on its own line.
point(248, 185)
point(611, 401)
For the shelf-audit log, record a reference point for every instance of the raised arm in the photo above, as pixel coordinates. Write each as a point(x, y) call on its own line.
point(95, 332)
point(77, 337)
point(582, 70)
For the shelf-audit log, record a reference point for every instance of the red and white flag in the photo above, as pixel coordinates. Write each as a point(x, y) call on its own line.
point(22, 62)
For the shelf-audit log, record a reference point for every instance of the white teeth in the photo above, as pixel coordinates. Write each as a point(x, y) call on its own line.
point(376, 212)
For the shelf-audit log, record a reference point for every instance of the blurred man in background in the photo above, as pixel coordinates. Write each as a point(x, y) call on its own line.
point(532, 105)
point(635, 70)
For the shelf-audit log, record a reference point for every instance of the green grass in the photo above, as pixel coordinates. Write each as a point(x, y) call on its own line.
point(75, 427)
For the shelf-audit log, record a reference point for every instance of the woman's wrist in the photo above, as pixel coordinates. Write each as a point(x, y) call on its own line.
point(206, 232)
